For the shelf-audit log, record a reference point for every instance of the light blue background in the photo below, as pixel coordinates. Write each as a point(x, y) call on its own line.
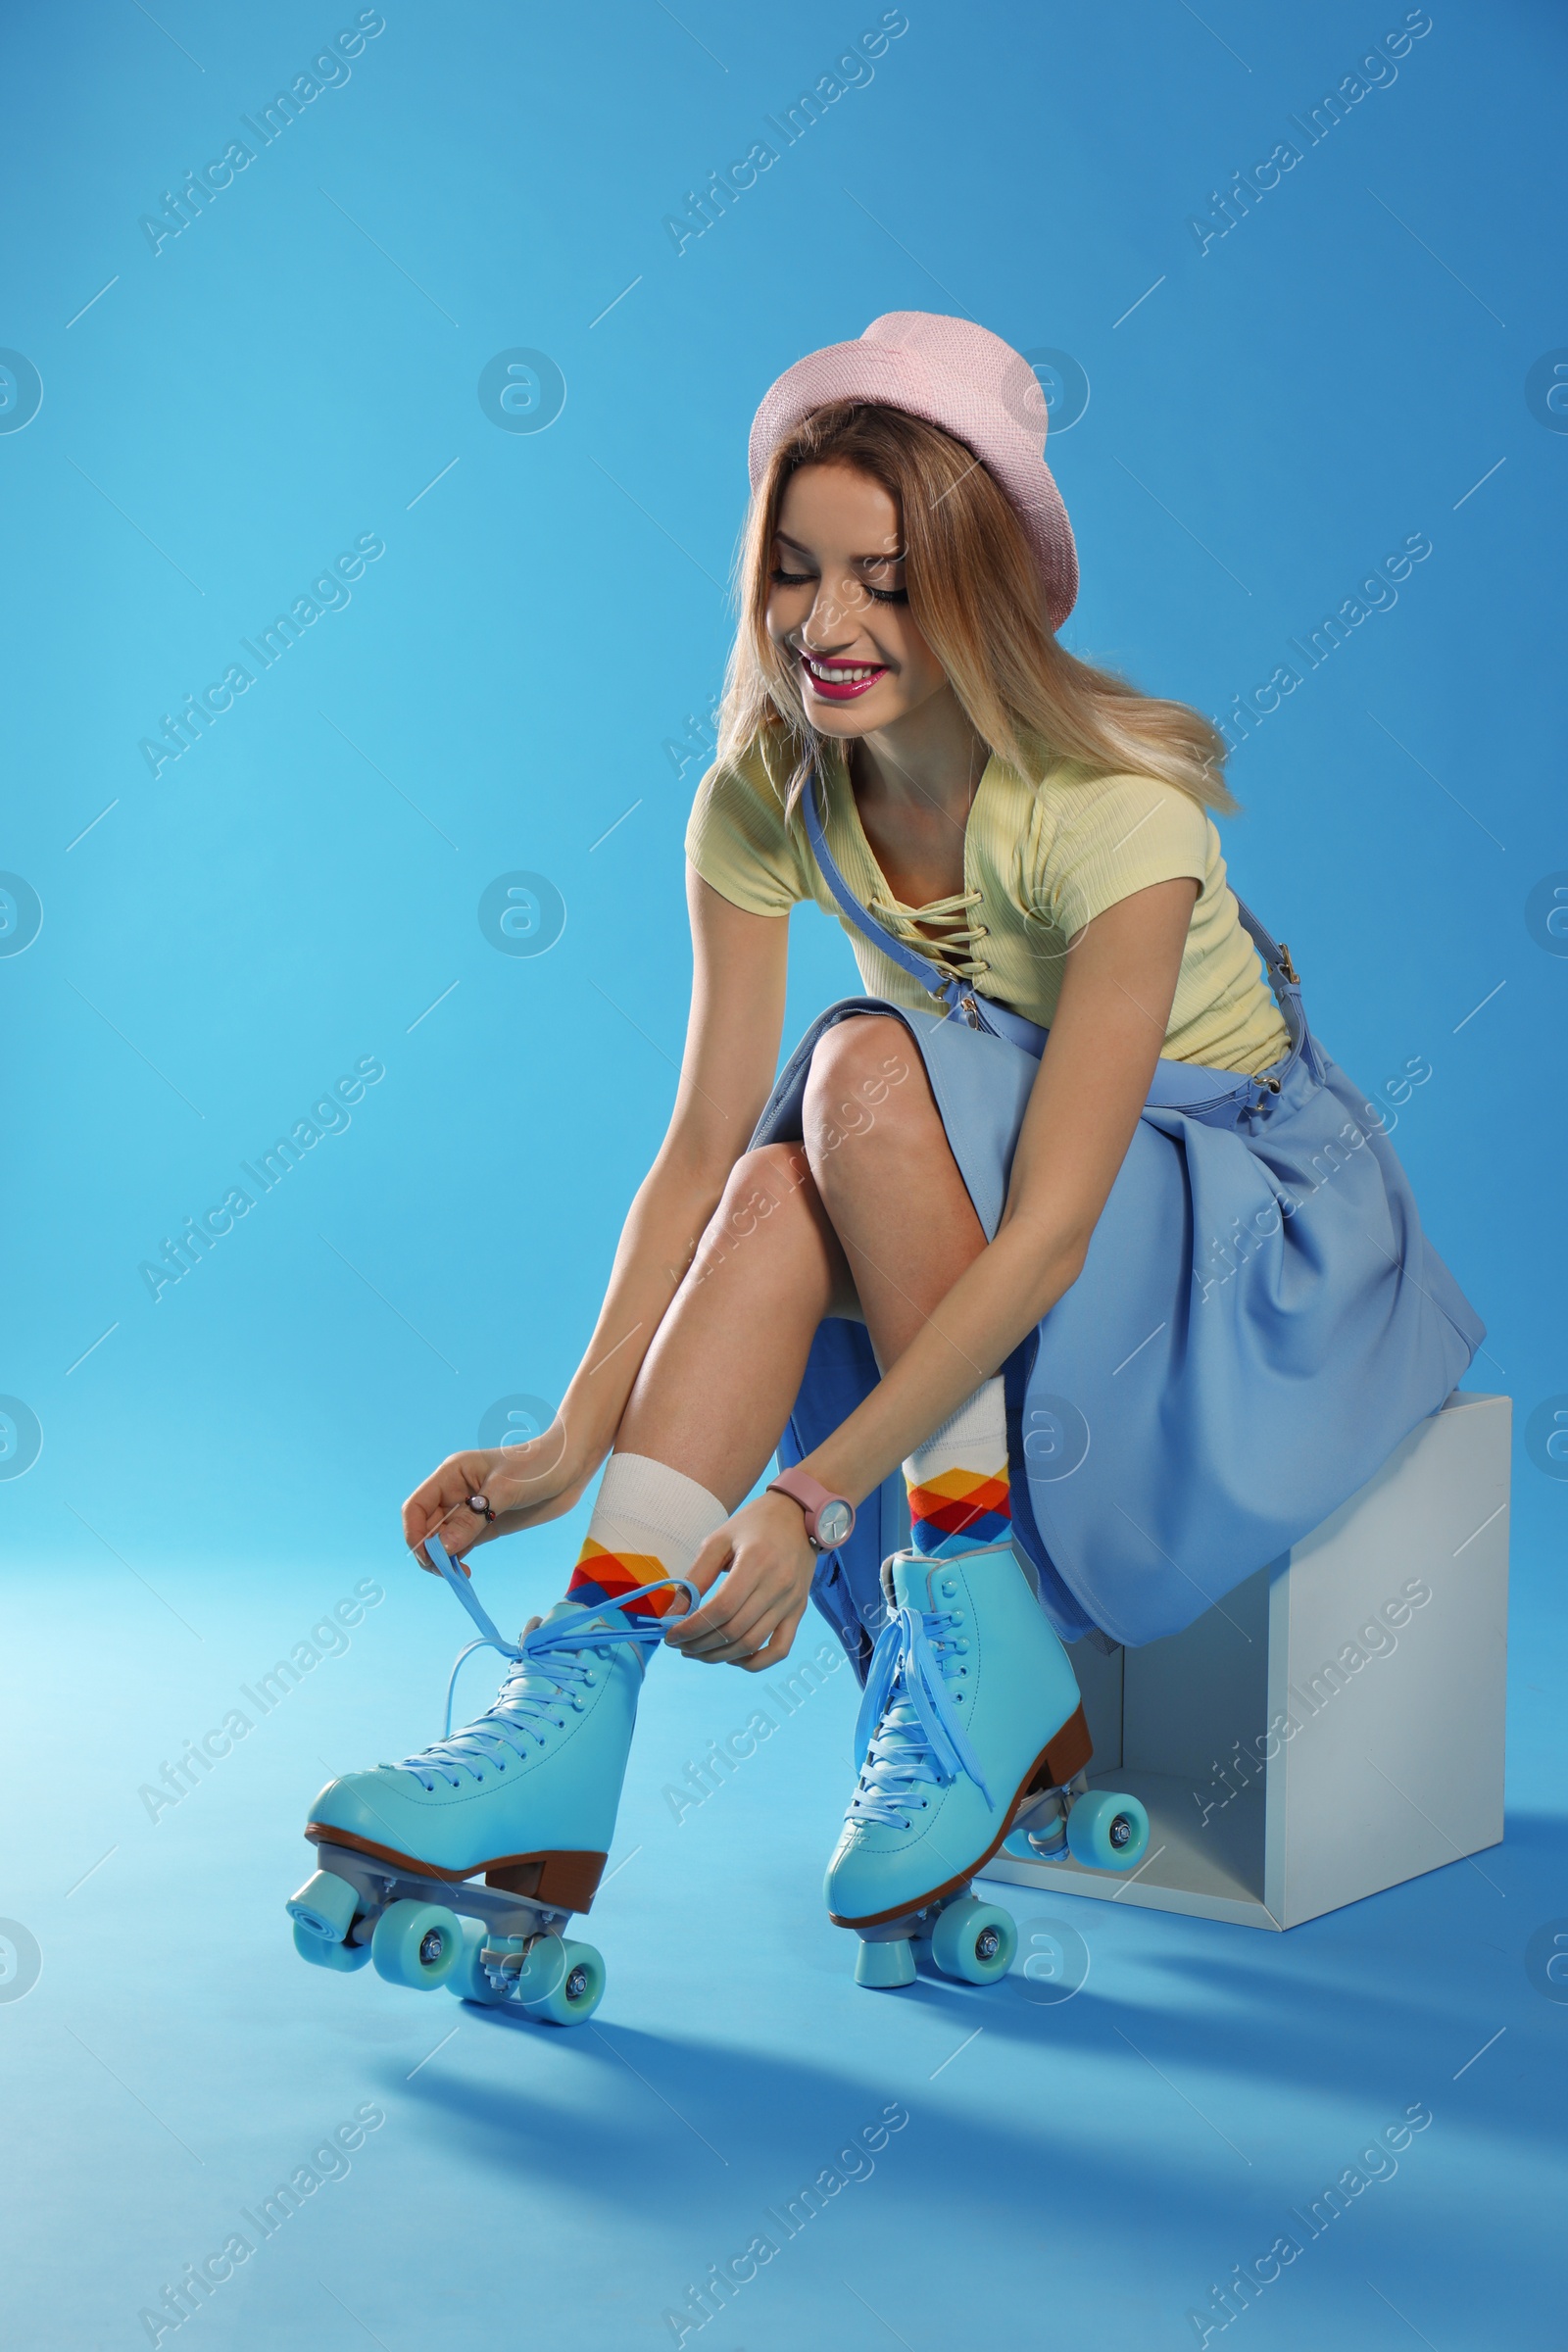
point(1267, 419)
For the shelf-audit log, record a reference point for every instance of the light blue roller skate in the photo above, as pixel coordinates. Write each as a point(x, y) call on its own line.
point(970, 1719)
point(526, 1794)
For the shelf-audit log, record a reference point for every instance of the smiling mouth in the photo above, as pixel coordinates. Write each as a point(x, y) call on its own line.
point(840, 681)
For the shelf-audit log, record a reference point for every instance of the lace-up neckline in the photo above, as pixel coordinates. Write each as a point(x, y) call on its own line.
point(941, 929)
point(949, 941)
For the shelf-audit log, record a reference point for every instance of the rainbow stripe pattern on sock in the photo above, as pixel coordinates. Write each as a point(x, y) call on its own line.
point(958, 1481)
point(956, 1510)
point(605, 1575)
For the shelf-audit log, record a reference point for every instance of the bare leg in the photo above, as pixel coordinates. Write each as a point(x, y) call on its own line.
point(886, 1177)
point(869, 1219)
point(721, 1376)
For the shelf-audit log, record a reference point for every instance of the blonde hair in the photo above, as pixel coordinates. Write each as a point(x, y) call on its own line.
point(975, 595)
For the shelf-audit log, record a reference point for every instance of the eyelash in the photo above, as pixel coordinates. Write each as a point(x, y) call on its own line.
point(883, 596)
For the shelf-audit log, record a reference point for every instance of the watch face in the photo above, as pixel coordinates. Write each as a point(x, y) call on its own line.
point(833, 1523)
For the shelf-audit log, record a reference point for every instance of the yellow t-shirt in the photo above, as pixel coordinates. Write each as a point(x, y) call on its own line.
point(1044, 860)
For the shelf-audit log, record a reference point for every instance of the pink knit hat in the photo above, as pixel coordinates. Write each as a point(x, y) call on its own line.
point(962, 377)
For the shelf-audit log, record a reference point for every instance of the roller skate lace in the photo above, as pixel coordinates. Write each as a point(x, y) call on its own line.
point(551, 1669)
point(908, 1734)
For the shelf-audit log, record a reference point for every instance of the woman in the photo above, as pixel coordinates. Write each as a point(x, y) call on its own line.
point(1133, 1305)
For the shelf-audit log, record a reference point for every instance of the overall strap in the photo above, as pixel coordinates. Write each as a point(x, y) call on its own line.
point(944, 987)
point(1286, 982)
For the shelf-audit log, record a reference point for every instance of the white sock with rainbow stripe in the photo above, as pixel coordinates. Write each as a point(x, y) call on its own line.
point(959, 1492)
point(648, 1521)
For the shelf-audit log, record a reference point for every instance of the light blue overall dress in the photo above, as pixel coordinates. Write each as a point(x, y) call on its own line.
point(1259, 1320)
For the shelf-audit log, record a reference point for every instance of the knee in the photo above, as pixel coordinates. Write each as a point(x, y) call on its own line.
point(771, 1186)
point(771, 1168)
point(866, 1073)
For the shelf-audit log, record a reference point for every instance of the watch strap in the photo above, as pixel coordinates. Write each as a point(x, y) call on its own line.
point(811, 1496)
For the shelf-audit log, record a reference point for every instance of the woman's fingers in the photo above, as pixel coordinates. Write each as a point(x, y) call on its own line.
point(779, 1643)
point(766, 1566)
point(763, 1642)
point(712, 1561)
point(716, 1556)
point(738, 1619)
point(516, 1482)
point(458, 1475)
point(717, 1619)
point(439, 1508)
point(728, 1651)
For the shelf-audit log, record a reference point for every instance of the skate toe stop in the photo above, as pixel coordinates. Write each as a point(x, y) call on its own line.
point(884, 1966)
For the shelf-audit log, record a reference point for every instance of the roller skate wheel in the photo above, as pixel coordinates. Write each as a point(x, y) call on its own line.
point(417, 1944)
point(577, 1986)
point(345, 1957)
point(324, 1906)
point(1107, 1832)
point(885, 1966)
point(975, 1940)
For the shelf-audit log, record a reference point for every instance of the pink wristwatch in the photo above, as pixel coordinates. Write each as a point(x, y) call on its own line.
point(829, 1519)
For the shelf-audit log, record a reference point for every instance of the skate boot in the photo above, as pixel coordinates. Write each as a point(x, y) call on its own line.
point(525, 1794)
point(971, 1716)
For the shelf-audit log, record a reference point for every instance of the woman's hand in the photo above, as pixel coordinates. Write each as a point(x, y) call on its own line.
point(523, 1484)
point(752, 1619)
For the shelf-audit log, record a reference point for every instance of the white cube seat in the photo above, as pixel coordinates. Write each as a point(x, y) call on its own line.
point(1336, 1725)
